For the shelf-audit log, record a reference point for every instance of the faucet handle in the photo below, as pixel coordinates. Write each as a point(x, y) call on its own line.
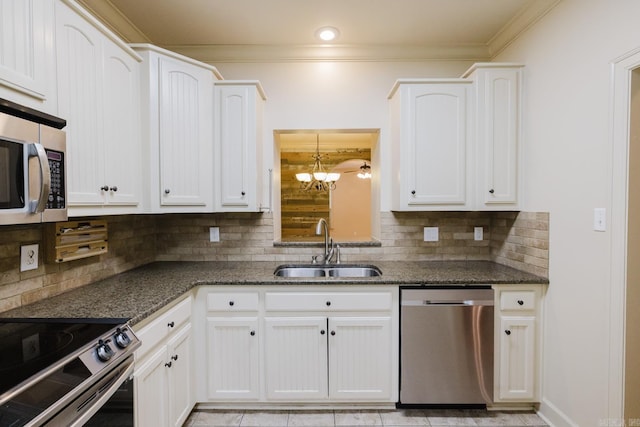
point(337, 254)
point(314, 259)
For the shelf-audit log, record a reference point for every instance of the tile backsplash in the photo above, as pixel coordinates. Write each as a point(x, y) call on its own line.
point(516, 239)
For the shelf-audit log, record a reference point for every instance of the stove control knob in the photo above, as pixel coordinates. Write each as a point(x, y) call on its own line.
point(121, 338)
point(103, 351)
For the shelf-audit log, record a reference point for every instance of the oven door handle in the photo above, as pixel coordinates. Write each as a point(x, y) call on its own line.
point(37, 150)
point(90, 410)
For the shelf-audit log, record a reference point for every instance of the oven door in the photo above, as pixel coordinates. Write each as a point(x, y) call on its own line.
point(108, 402)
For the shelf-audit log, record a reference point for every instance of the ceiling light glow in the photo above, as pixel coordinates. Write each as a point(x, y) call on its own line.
point(327, 34)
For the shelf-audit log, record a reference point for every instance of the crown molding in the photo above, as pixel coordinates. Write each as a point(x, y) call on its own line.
point(112, 18)
point(303, 53)
point(519, 24)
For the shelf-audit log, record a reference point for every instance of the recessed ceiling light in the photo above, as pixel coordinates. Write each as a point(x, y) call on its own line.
point(327, 34)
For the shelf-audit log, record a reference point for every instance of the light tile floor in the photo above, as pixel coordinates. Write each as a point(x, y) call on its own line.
point(400, 417)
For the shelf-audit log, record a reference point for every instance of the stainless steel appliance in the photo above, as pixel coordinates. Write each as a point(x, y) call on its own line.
point(66, 372)
point(32, 166)
point(446, 346)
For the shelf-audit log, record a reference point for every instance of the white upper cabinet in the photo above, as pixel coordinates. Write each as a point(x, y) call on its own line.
point(98, 82)
point(177, 94)
point(238, 145)
point(429, 131)
point(497, 137)
point(27, 62)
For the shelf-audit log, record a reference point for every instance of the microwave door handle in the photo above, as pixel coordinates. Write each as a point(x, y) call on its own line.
point(40, 204)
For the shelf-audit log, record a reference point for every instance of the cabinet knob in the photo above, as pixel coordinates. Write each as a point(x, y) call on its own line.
point(252, 333)
point(167, 191)
point(333, 333)
point(231, 303)
point(508, 332)
point(243, 193)
point(171, 324)
point(328, 303)
point(492, 191)
point(322, 332)
point(520, 302)
point(104, 188)
point(168, 364)
point(413, 192)
point(114, 188)
point(174, 357)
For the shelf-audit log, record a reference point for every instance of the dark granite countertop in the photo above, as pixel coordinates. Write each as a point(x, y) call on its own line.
point(138, 293)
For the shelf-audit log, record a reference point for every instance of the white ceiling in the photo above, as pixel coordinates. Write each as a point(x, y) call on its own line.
point(473, 29)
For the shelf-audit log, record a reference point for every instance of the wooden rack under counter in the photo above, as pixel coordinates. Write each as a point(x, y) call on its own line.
point(76, 239)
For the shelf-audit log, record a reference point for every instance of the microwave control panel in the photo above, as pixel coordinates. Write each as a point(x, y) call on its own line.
point(57, 192)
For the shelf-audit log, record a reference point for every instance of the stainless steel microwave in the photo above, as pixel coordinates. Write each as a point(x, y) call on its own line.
point(33, 184)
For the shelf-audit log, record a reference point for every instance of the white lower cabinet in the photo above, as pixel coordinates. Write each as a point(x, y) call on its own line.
point(296, 358)
point(233, 358)
point(163, 375)
point(336, 358)
point(518, 316)
point(309, 345)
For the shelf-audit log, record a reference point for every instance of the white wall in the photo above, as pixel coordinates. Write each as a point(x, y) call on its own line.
point(568, 155)
point(334, 95)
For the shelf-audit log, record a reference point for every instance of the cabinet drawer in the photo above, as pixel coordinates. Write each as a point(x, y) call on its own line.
point(328, 301)
point(160, 328)
point(518, 300)
point(233, 301)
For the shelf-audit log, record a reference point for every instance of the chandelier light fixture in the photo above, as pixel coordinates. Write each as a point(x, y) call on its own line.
point(318, 179)
point(365, 171)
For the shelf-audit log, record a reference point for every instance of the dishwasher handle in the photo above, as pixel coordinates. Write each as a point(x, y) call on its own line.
point(461, 303)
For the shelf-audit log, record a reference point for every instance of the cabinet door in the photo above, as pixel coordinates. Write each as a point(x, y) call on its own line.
point(151, 398)
point(434, 145)
point(121, 127)
point(25, 26)
point(233, 357)
point(179, 371)
point(80, 103)
point(185, 117)
point(498, 110)
point(236, 137)
point(296, 358)
point(516, 363)
point(360, 358)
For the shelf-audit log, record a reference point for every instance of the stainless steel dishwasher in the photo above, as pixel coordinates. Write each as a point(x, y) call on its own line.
point(446, 346)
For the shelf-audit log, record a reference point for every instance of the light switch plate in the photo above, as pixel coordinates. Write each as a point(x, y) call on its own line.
point(600, 219)
point(28, 257)
point(214, 234)
point(431, 234)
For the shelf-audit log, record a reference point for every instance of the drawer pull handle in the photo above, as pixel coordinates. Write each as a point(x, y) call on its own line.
point(520, 302)
point(171, 324)
point(252, 333)
point(328, 303)
point(508, 332)
point(231, 303)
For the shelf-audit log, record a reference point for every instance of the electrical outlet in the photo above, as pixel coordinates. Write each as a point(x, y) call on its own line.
point(431, 234)
point(214, 234)
point(28, 257)
point(478, 233)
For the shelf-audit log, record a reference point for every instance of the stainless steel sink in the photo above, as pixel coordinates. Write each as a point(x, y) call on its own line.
point(329, 270)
